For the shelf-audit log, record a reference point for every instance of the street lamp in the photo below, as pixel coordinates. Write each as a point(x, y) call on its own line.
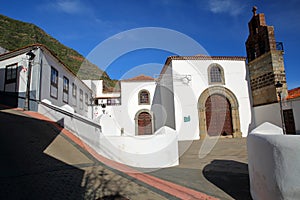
point(30, 56)
point(278, 85)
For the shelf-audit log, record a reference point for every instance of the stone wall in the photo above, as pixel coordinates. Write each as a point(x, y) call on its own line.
point(264, 73)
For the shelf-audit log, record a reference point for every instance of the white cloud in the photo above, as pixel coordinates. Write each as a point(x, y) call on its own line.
point(231, 7)
point(68, 6)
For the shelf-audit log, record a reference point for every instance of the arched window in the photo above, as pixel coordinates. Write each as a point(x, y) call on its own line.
point(216, 74)
point(144, 97)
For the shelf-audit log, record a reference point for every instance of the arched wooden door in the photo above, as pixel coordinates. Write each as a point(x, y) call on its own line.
point(218, 116)
point(144, 124)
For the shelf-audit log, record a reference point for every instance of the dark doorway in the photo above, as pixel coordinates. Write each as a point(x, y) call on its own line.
point(144, 124)
point(218, 116)
point(289, 121)
point(9, 99)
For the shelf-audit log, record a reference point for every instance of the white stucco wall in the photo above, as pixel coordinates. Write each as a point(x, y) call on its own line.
point(271, 113)
point(274, 163)
point(152, 151)
point(267, 113)
point(47, 62)
point(21, 76)
point(187, 95)
point(149, 151)
point(295, 105)
point(163, 101)
point(125, 113)
point(40, 79)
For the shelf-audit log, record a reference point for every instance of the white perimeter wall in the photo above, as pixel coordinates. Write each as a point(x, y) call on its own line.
point(271, 113)
point(274, 163)
point(267, 113)
point(153, 151)
point(187, 95)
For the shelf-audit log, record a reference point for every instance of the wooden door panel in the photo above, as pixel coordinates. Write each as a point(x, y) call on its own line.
point(144, 124)
point(218, 116)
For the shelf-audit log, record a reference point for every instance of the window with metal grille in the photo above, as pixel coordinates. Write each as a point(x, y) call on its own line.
point(216, 74)
point(144, 97)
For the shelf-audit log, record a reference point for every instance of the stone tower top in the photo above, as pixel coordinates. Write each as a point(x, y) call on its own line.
point(254, 9)
point(261, 37)
point(265, 61)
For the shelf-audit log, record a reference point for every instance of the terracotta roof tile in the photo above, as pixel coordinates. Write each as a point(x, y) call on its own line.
point(293, 93)
point(141, 77)
point(206, 57)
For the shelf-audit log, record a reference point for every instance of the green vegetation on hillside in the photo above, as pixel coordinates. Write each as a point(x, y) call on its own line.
point(15, 34)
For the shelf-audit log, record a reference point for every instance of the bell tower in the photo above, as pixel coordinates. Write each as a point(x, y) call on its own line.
point(265, 61)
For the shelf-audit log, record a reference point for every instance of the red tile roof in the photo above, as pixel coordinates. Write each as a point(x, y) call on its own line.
point(141, 77)
point(206, 57)
point(293, 93)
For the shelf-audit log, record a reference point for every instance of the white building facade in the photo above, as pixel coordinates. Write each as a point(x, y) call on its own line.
point(50, 80)
point(204, 96)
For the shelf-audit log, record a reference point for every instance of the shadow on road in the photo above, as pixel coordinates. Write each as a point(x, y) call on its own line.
point(27, 172)
point(229, 176)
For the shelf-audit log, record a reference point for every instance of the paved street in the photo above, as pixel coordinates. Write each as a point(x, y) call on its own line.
point(223, 173)
point(39, 162)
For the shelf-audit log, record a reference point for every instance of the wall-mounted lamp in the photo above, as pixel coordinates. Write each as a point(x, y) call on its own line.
point(30, 55)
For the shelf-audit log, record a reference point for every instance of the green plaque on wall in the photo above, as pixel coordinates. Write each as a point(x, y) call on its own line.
point(187, 119)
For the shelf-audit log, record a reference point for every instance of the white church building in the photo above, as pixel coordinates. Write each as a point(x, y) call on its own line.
point(194, 95)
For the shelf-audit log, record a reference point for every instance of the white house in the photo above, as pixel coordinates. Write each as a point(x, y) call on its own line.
point(50, 80)
point(103, 101)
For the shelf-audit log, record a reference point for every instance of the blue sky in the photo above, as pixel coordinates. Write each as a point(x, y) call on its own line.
point(220, 26)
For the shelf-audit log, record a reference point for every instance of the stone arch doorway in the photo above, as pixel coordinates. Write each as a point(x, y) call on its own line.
point(144, 122)
point(215, 98)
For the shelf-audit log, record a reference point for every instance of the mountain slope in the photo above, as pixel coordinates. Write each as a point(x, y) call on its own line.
point(15, 34)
